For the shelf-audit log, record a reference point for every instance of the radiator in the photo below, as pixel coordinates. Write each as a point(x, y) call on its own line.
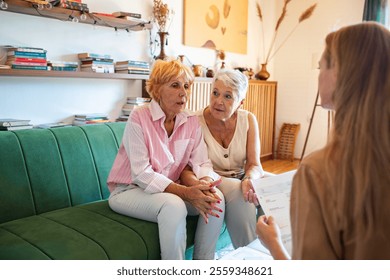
point(261, 101)
point(200, 95)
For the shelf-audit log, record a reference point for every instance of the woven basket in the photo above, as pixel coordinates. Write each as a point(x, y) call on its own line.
point(286, 144)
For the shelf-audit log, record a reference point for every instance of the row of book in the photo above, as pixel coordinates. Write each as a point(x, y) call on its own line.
point(32, 58)
point(98, 63)
point(104, 63)
point(131, 104)
point(95, 118)
point(26, 58)
point(19, 124)
point(77, 5)
point(10, 124)
point(132, 67)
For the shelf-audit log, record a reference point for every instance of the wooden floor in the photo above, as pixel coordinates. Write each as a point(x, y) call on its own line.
point(278, 166)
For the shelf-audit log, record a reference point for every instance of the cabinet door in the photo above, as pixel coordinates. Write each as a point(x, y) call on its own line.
point(260, 100)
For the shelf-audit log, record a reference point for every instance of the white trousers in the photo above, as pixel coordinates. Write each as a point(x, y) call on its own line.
point(240, 216)
point(169, 211)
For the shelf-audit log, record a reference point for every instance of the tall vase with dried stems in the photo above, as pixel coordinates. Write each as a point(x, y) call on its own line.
point(163, 42)
point(161, 15)
point(263, 74)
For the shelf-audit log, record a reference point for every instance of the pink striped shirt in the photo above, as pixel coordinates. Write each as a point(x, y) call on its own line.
point(150, 159)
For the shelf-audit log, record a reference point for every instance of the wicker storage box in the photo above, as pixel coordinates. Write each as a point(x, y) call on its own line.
point(286, 144)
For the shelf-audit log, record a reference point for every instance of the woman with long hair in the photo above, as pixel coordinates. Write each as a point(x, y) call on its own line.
point(340, 195)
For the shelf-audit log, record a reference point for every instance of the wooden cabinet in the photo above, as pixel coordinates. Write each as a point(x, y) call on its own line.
point(260, 100)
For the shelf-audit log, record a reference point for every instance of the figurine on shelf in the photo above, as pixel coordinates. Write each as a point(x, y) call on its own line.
point(250, 73)
point(209, 73)
point(198, 70)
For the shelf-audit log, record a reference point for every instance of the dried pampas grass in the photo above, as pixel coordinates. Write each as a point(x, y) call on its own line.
point(161, 14)
point(304, 16)
point(307, 13)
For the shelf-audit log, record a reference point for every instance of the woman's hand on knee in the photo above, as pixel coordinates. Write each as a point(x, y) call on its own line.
point(205, 201)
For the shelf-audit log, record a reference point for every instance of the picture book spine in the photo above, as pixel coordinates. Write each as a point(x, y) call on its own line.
point(25, 67)
point(26, 54)
point(28, 59)
point(27, 63)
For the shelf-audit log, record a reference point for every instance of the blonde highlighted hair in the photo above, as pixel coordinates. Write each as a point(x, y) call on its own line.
point(163, 72)
point(358, 154)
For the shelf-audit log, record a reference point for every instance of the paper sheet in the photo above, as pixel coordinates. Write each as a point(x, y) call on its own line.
point(274, 197)
point(254, 251)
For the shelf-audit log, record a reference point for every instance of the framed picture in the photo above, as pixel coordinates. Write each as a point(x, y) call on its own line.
point(217, 24)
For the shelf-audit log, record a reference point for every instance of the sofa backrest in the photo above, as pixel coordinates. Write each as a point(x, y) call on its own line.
point(47, 169)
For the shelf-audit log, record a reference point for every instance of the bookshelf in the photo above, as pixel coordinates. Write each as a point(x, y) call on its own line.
point(27, 8)
point(70, 74)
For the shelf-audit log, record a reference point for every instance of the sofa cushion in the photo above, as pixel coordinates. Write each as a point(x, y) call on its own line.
point(47, 169)
point(16, 197)
point(72, 233)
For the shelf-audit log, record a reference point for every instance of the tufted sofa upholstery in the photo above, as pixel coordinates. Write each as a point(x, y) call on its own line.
point(54, 198)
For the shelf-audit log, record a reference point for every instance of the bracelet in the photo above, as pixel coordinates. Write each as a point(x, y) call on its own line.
point(246, 177)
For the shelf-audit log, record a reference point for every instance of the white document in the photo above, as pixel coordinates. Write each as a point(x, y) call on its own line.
point(274, 196)
point(253, 251)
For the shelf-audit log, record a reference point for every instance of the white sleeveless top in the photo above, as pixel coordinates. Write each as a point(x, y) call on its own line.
point(230, 161)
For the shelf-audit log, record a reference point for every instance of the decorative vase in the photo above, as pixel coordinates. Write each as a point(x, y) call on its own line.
point(163, 42)
point(250, 73)
point(198, 70)
point(209, 73)
point(263, 74)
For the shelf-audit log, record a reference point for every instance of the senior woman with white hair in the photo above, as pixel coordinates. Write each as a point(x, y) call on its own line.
point(232, 138)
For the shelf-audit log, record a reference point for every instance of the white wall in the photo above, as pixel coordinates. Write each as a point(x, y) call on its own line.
point(296, 62)
point(46, 100)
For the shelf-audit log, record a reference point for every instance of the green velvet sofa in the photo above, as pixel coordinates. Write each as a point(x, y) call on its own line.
point(53, 198)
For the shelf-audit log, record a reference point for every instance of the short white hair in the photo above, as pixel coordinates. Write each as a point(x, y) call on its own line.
point(233, 79)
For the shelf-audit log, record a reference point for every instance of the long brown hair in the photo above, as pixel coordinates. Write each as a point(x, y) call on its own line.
point(358, 154)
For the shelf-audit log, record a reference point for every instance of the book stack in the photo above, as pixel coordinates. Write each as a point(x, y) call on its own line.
point(98, 63)
point(53, 125)
point(95, 118)
point(63, 65)
point(126, 15)
point(77, 5)
point(132, 103)
point(26, 58)
point(132, 67)
point(14, 124)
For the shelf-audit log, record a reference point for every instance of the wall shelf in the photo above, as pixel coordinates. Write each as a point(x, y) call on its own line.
point(27, 8)
point(70, 74)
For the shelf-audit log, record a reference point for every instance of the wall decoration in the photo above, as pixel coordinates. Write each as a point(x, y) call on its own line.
point(216, 24)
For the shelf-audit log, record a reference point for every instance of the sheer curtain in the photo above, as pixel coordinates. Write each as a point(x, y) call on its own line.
point(376, 10)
